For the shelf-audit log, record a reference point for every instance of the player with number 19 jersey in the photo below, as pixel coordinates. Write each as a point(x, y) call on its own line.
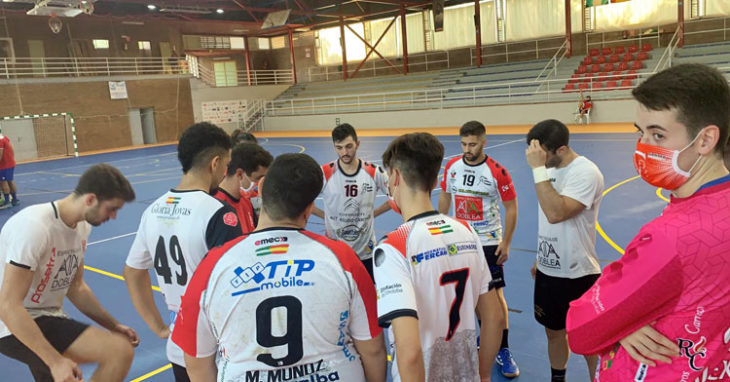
point(475, 190)
point(433, 268)
point(280, 304)
point(175, 233)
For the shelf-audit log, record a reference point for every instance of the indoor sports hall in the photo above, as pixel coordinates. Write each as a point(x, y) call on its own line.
point(84, 82)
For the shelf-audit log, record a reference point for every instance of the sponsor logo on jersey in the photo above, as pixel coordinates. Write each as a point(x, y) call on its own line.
point(389, 289)
point(272, 240)
point(349, 233)
point(230, 219)
point(366, 187)
point(691, 350)
point(641, 373)
point(469, 208)
point(316, 371)
point(170, 210)
point(352, 204)
point(485, 181)
point(172, 200)
point(445, 228)
point(547, 256)
point(43, 283)
point(342, 339)
point(428, 255)
point(66, 272)
point(278, 249)
point(273, 275)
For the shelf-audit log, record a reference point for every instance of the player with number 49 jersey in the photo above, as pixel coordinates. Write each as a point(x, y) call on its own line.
point(433, 268)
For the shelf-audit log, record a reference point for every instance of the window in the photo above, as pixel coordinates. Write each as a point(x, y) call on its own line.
point(144, 46)
point(264, 44)
point(225, 73)
point(278, 42)
point(100, 44)
point(237, 43)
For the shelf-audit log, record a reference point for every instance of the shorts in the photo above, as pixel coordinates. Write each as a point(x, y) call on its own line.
point(368, 263)
point(6, 174)
point(497, 271)
point(553, 296)
point(59, 331)
point(180, 373)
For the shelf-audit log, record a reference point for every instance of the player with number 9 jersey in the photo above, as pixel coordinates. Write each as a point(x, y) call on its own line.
point(433, 268)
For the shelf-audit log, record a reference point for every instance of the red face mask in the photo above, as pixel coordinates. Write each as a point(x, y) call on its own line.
point(658, 165)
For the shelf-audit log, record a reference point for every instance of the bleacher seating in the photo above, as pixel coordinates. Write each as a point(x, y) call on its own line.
point(609, 68)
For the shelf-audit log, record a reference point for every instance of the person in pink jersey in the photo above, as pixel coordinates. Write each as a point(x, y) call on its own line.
point(662, 312)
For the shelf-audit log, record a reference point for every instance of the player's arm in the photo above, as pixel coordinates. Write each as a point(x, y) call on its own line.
point(222, 227)
point(510, 223)
point(16, 282)
point(201, 369)
point(492, 316)
point(408, 351)
point(557, 208)
point(444, 202)
point(633, 292)
point(374, 360)
point(85, 301)
point(382, 209)
point(139, 286)
point(317, 212)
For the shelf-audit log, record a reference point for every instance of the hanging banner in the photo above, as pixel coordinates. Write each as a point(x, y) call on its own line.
point(438, 15)
point(591, 3)
point(118, 89)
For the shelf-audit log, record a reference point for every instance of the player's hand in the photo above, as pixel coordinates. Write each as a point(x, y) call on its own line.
point(163, 332)
point(127, 332)
point(536, 156)
point(646, 345)
point(65, 370)
point(502, 253)
point(533, 270)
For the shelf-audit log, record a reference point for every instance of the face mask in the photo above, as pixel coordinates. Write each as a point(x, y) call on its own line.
point(393, 206)
point(658, 165)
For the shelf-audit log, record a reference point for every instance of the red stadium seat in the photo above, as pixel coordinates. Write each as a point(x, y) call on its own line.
point(642, 56)
point(617, 75)
point(588, 60)
point(633, 48)
point(627, 83)
point(583, 86)
point(582, 69)
point(628, 57)
point(597, 85)
point(593, 52)
point(610, 85)
point(636, 65)
point(569, 87)
point(623, 66)
point(631, 75)
point(646, 47)
point(574, 80)
point(600, 59)
point(608, 67)
point(614, 58)
point(595, 68)
point(606, 51)
point(619, 50)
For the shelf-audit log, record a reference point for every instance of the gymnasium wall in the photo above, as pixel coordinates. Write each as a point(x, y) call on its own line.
point(103, 123)
point(604, 111)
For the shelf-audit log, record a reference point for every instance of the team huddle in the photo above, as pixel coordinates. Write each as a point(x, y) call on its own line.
point(253, 296)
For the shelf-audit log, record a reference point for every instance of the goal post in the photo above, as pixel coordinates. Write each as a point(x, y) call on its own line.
point(41, 136)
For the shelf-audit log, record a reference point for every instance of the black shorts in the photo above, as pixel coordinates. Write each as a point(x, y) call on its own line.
point(60, 332)
point(497, 271)
point(180, 373)
point(368, 263)
point(553, 296)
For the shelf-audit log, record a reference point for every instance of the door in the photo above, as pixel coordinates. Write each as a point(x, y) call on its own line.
point(149, 133)
point(37, 54)
point(225, 73)
point(135, 127)
point(22, 137)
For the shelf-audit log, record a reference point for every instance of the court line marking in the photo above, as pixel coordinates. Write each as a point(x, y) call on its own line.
point(112, 238)
point(662, 197)
point(152, 373)
point(598, 225)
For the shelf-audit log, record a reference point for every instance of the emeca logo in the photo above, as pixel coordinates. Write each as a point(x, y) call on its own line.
point(273, 275)
point(272, 240)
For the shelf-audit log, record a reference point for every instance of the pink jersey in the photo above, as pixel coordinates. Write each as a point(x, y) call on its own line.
point(676, 272)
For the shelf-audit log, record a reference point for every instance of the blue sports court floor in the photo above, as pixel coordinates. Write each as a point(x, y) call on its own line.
point(627, 205)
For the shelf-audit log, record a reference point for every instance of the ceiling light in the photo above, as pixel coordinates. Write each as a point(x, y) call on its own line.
point(151, 7)
point(219, 11)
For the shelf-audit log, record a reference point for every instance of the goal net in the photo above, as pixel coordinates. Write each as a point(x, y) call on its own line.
point(40, 136)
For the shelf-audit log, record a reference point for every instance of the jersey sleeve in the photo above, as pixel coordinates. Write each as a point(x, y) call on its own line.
point(396, 295)
point(444, 179)
point(24, 242)
point(642, 286)
point(364, 319)
point(139, 256)
point(504, 181)
point(584, 186)
point(222, 227)
point(381, 180)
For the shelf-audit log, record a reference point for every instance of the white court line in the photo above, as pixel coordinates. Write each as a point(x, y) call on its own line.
point(112, 238)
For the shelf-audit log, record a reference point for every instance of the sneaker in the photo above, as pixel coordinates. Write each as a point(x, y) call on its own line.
point(508, 365)
point(15, 202)
point(4, 205)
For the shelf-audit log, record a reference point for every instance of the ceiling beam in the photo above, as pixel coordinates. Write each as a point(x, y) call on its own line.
point(245, 8)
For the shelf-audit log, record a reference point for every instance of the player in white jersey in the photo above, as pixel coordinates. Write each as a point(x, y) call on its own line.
point(475, 184)
point(431, 276)
point(351, 185)
point(42, 253)
point(569, 190)
point(282, 303)
point(179, 228)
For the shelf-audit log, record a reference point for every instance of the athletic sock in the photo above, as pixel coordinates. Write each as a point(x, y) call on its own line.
point(505, 342)
point(14, 195)
point(7, 198)
point(557, 375)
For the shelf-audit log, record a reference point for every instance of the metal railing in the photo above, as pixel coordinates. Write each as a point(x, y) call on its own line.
point(517, 48)
point(416, 63)
point(639, 40)
point(240, 78)
point(552, 66)
point(665, 60)
point(253, 116)
point(44, 67)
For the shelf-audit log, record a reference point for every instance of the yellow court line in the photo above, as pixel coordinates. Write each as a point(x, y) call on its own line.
point(598, 225)
point(114, 276)
point(662, 197)
point(152, 373)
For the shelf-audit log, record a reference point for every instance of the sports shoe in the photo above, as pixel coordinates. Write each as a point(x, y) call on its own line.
point(15, 202)
point(508, 365)
point(4, 205)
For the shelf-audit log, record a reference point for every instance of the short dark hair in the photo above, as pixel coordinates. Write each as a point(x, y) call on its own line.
point(418, 156)
point(244, 136)
point(201, 142)
point(291, 184)
point(551, 133)
point(342, 131)
point(106, 182)
point(698, 92)
point(472, 128)
point(248, 157)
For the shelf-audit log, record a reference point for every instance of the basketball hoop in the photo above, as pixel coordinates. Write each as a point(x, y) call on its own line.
point(55, 23)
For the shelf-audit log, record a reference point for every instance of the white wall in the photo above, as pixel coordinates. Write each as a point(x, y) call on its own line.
point(623, 110)
point(203, 93)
